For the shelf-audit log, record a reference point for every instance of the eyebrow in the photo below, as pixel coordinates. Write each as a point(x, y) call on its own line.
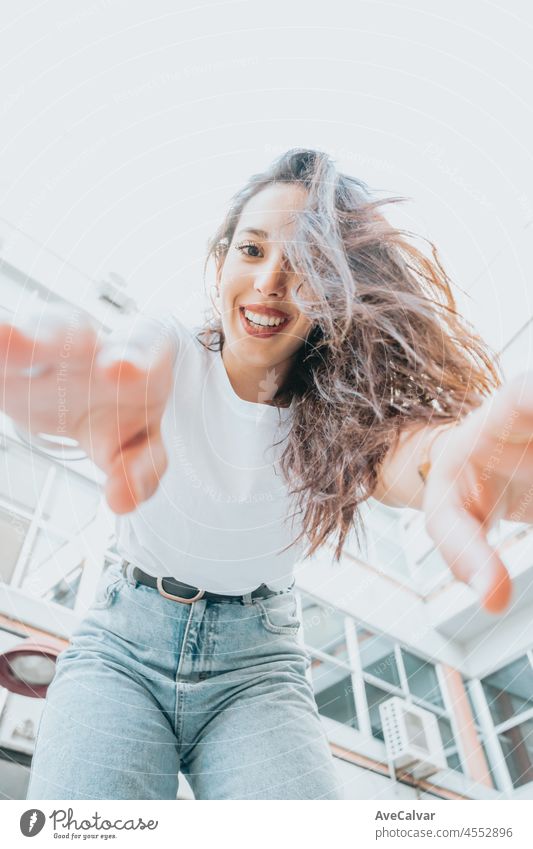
point(262, 234)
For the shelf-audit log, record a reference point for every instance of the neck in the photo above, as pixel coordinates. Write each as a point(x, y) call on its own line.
point(256, 384)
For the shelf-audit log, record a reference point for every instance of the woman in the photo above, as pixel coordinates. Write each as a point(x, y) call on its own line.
point(335, 367)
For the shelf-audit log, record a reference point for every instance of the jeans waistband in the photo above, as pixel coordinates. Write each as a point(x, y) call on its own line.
point(175, 590)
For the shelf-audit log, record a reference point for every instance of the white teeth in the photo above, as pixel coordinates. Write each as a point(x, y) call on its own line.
point(263, 320)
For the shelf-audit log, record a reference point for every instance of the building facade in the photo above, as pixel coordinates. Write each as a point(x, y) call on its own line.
point(387, 620)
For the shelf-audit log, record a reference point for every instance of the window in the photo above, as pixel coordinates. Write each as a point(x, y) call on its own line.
point(509, 697)
point(13, 530)
point(334, 692)
point(65, 590)
point(509, 692)
point(343, 652)
point(454, 762)
point(375, 697)
point(422, 679)
point(482, 732)
point(44, 508)
point(325, 636)
point(45, 546)
point(450, 746)
point(517, 748)
point(377, 656)
point(380, 659)
point(323, 628)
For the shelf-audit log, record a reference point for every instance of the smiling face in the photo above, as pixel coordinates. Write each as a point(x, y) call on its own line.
point(255, 283)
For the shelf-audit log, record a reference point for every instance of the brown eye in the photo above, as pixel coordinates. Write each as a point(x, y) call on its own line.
point(249, 249)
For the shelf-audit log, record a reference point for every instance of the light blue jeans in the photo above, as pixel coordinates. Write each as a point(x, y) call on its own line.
point(148, 687)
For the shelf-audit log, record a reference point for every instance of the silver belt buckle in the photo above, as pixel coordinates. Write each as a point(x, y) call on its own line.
point(164, 593)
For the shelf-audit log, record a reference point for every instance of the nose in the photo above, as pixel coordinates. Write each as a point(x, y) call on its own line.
point(272, 278)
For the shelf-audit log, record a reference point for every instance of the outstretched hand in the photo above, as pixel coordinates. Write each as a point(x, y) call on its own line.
point(482, 471)
point(59, 377)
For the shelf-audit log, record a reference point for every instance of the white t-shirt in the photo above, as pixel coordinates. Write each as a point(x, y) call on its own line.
point(222, 512)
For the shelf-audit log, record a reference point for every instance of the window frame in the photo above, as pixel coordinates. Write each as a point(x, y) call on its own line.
point(492, 730)
point(38, 521)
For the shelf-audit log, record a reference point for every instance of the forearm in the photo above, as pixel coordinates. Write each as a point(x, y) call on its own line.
point(400, 482)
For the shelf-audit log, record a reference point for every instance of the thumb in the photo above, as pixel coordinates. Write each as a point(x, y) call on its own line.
point(136, 473)
point(461, 540)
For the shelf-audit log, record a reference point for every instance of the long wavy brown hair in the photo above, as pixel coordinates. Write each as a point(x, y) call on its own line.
point(388, 348)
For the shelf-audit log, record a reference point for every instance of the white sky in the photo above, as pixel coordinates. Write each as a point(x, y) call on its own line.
point(126, 127)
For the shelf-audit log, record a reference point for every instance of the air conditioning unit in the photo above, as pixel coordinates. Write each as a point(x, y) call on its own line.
point(412, 738)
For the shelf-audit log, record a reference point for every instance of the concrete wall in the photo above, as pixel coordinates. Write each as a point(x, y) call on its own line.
point(504, 642)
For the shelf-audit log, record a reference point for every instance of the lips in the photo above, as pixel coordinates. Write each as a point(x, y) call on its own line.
point(265, 331)
point(262, 309)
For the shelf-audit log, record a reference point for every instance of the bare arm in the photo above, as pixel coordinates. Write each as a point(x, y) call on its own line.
point(480, 472)
point(399, 481)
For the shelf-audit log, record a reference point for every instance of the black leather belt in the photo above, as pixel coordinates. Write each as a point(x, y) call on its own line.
point(177, 591)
